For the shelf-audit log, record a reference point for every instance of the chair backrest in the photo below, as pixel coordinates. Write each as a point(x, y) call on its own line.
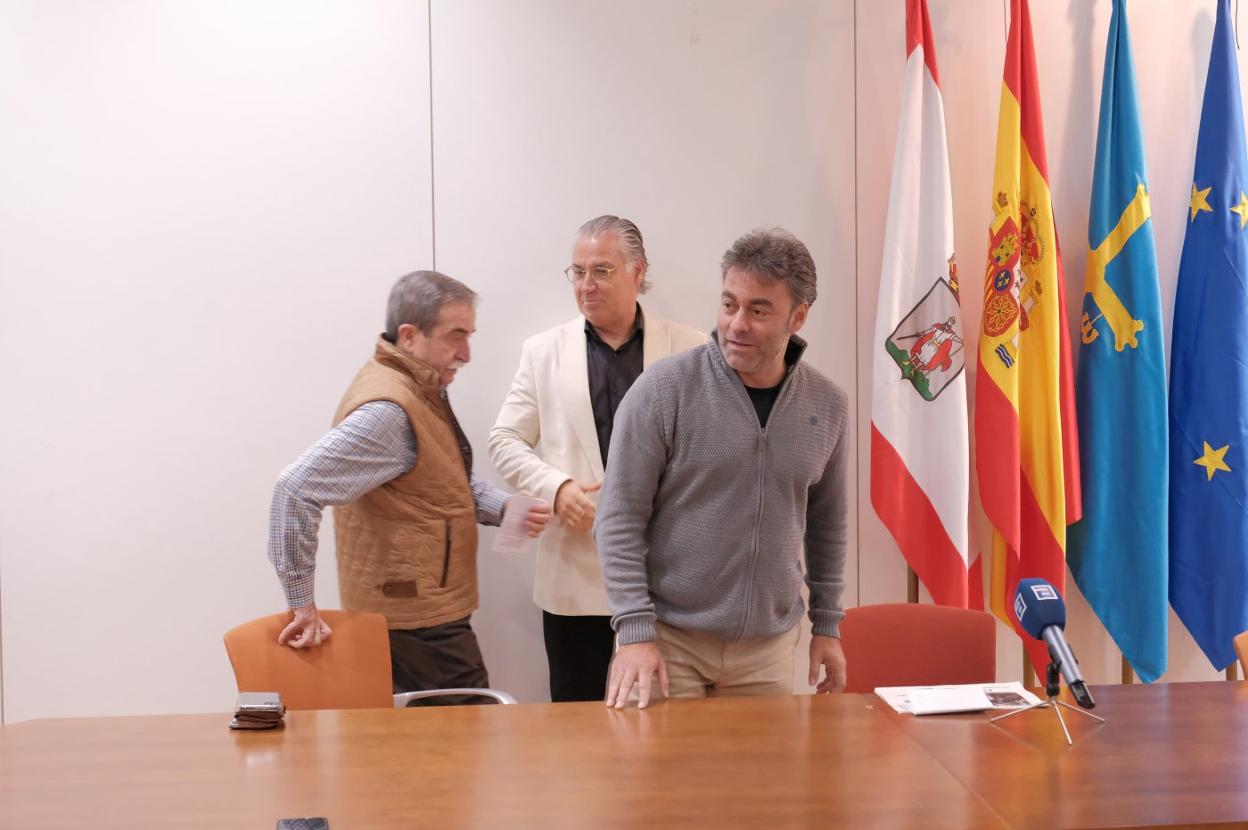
point(349, 671)
point(908, 644)
point(1241, 648)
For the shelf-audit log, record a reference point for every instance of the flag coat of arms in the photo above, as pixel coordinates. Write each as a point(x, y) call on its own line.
point(1117, 552)
point(1026, 454)
point(919, 457)
point(1209, 374)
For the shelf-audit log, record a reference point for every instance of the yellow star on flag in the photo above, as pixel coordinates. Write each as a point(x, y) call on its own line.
point(1213, 460)
point(1241, 209)
point(1200, 201)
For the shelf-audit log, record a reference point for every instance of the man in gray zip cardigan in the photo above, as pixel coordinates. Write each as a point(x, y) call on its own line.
point(725, 460)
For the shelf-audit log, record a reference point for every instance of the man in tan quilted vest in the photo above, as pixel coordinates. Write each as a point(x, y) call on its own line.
point(398, 470)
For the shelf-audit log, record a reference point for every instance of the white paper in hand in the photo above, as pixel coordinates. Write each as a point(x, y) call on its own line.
point(512, 536)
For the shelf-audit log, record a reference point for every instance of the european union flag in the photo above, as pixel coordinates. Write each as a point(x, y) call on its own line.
point(1209, 374)
point(1117, 553)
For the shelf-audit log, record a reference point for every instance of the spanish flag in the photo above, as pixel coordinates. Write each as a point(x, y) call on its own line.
point(1026, 440)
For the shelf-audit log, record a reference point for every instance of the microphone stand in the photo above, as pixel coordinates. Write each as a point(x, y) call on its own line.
point(1052, 688)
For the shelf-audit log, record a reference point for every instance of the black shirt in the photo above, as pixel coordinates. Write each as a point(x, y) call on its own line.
point(763, 400)
point(611, 374)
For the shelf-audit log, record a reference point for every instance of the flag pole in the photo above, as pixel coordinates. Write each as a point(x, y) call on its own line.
point(1128, 675)
point(912, 585)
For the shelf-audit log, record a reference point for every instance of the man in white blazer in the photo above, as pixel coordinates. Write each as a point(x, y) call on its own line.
point(552, 435)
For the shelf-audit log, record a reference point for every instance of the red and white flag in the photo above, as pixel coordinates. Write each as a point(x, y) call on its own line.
point(919, 469)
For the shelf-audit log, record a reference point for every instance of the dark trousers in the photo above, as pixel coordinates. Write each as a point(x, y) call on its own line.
point(578, 651)
point(441, 657)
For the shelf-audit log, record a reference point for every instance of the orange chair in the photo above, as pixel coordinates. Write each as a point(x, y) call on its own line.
point(907, 644)
point(1241, 648)
point(351, 670)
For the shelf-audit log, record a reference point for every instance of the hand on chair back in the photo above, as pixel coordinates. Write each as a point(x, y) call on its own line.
point(306, 628)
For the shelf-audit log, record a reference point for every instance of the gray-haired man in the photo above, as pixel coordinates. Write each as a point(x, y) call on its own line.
point(554, 428)
point(398, 469)
point(725, 461)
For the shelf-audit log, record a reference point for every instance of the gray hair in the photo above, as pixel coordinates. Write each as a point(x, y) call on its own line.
point(417, 298)
point(628, 236)
point(774, 255)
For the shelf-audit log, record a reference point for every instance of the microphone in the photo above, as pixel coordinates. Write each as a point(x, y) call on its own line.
point(1042, 614)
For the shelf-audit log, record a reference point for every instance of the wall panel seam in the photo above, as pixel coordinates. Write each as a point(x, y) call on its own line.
point(857, 410)
point(433, 202)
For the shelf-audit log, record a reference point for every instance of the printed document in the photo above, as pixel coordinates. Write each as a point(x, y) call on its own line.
point(973, 697)
point(512, 536)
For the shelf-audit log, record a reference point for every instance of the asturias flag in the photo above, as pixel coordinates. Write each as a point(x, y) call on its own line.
point(1117, 553)
point(919, 466)
point(1209, 374)
point(1025, 435)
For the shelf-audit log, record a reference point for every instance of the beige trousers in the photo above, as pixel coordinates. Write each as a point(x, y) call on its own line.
point(703, 665)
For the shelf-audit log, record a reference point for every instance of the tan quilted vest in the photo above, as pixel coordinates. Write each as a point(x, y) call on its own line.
point(408, 549)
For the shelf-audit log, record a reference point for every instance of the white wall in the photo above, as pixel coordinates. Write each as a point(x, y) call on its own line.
point(204, 206)
point(697, 122)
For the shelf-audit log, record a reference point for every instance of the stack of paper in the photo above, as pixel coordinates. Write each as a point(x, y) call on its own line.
point(973, 697)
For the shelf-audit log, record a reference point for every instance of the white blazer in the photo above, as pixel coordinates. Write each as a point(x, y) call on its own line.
point(545, 435)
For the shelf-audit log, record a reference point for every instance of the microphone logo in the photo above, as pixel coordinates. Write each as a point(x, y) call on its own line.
point(1040, 590)
point(1044, 591)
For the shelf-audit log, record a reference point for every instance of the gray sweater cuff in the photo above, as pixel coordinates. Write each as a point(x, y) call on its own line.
point(636, 628)
point(826, 623)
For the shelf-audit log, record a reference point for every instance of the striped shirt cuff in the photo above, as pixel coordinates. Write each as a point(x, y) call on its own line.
point(490, 501)
point(299, 590)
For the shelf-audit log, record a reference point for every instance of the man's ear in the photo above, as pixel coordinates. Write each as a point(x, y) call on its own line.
point(639, 273)
point(407, 335)
point(798, 318)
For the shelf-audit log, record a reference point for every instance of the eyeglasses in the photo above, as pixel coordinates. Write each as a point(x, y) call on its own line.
point(599, 273)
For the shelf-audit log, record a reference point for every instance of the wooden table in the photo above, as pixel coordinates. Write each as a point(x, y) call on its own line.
point(1169, 754)
point(758, 763)
point(755, 763)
